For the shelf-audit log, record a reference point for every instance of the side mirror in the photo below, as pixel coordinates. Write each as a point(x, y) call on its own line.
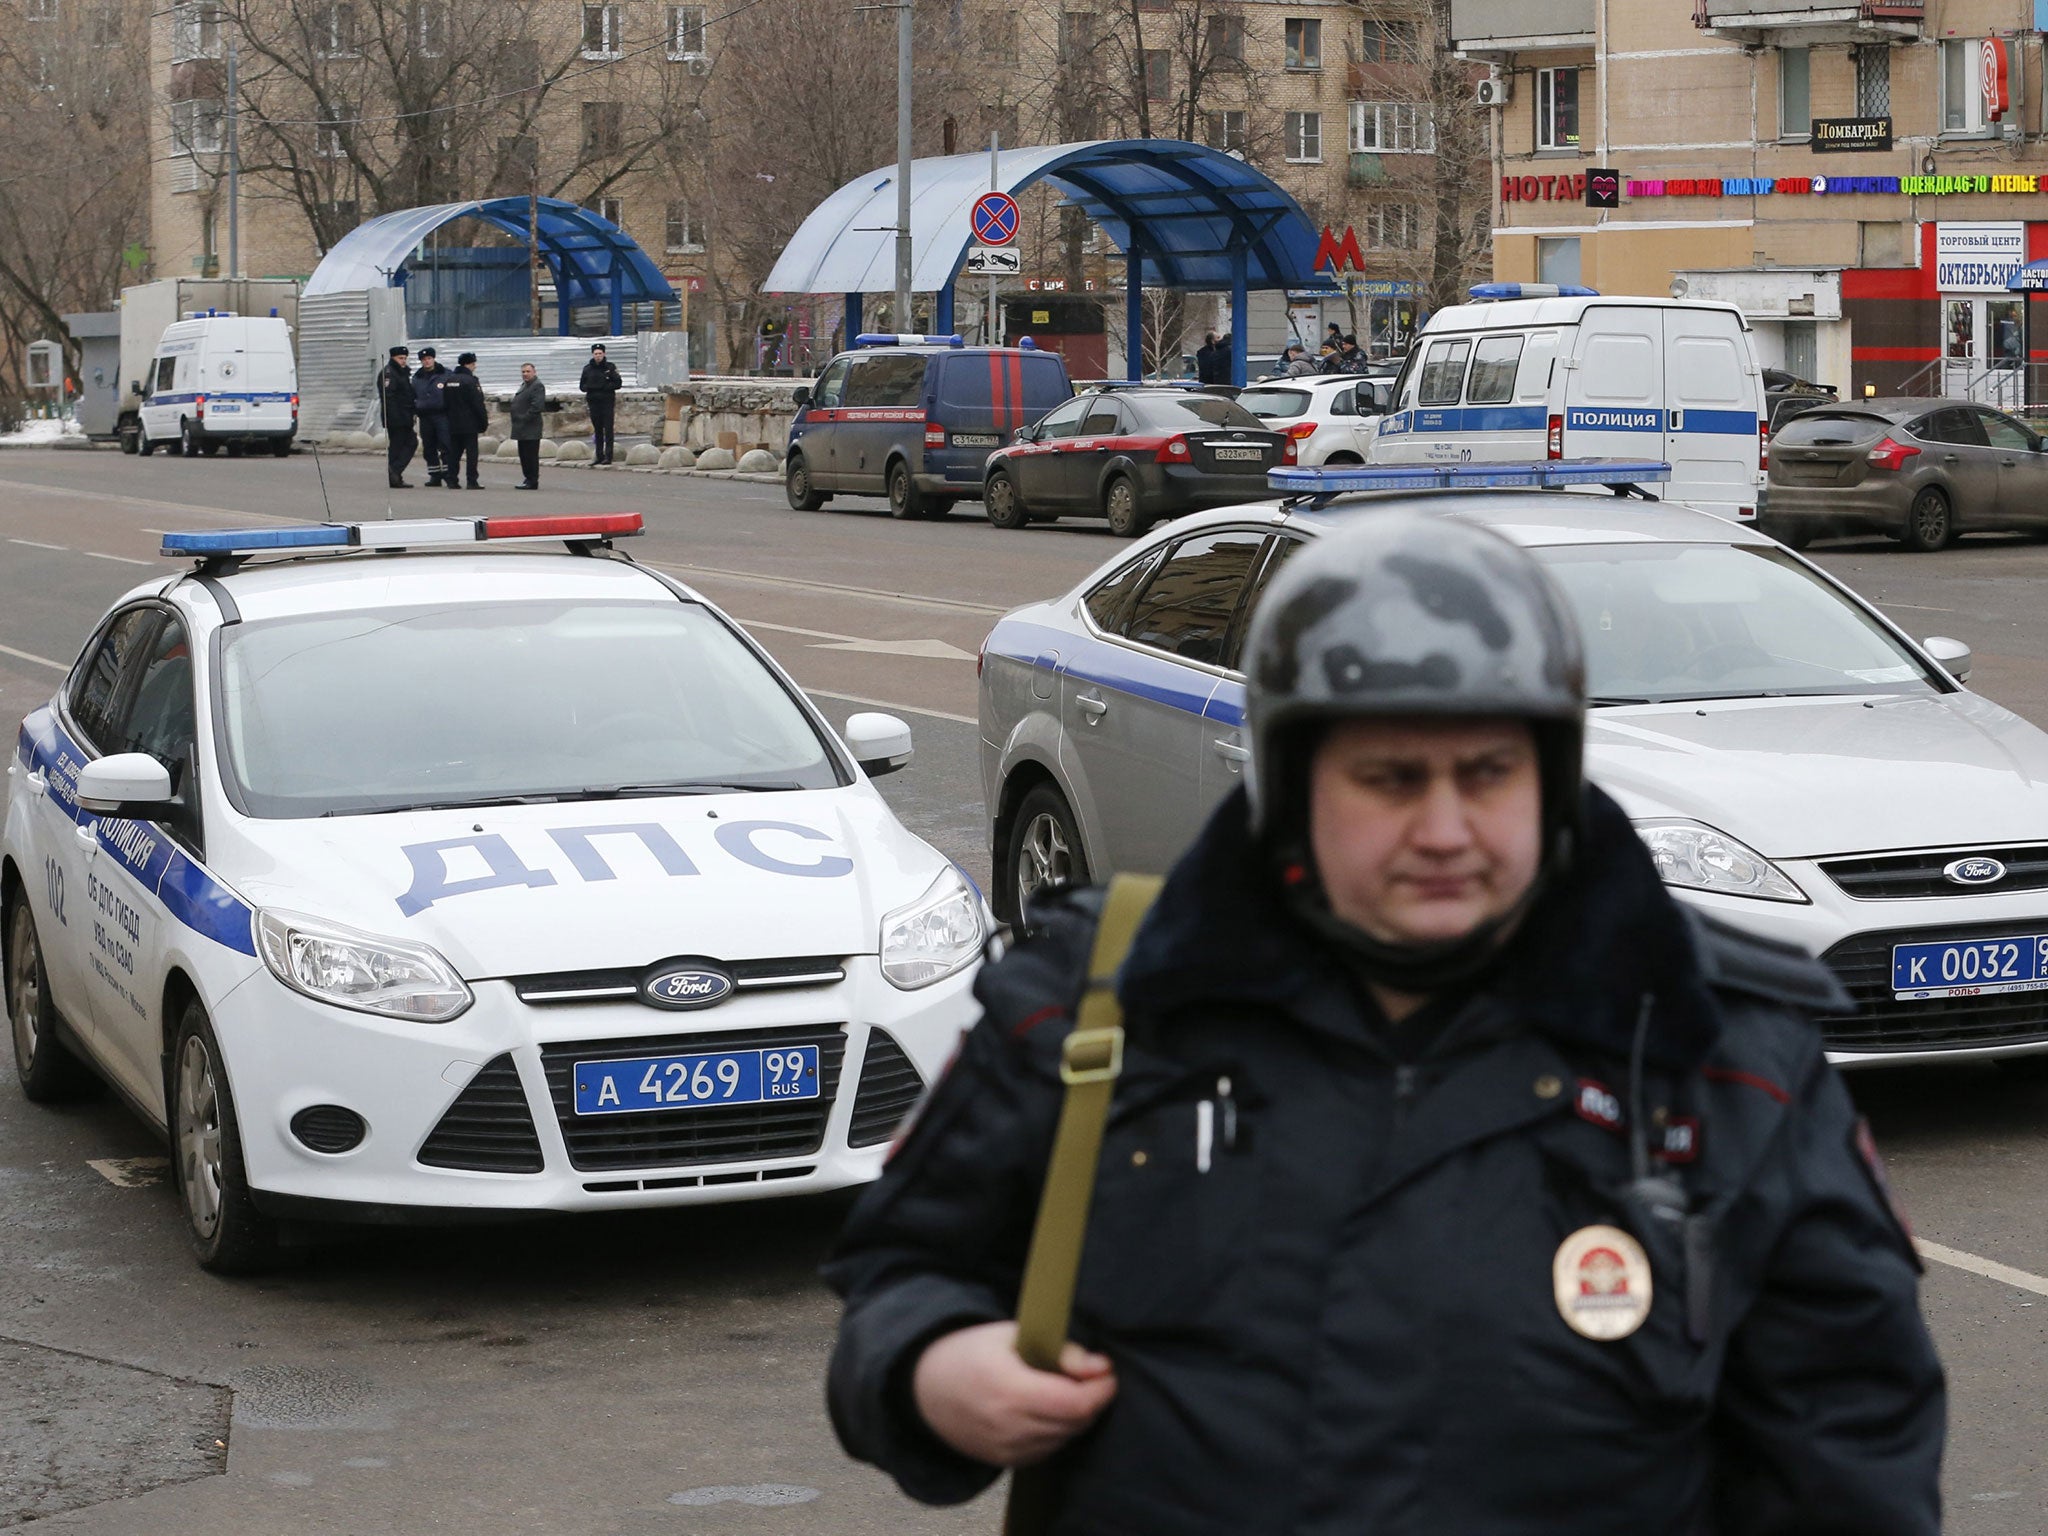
point(1953, 655)
point(135, 388)
point(879, 743)
point(1027, 434)
point(130, 784)
point(800, 397)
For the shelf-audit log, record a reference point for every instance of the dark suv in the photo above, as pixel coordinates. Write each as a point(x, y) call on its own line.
point(914, 419)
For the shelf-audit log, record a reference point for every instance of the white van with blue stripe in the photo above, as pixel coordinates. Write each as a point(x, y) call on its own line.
point(221, 380)
point(1530, 371)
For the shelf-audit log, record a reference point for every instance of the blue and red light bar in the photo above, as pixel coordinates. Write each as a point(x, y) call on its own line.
point(1541, 474)
point(411, 534)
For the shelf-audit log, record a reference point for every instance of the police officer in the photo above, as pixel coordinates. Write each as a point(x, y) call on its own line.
point(394, 387)
point(601, 384)
point(469, 416)
point(1458, 1179)
point(428, 396)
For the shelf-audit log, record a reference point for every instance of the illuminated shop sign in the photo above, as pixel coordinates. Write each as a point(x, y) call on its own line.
point(1832, 186)
point(1843, 133)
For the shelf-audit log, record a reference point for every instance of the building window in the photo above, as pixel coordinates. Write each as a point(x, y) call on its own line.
point(107, 24)
point(608, 208)
point(1874, 81)
point(42, 69)
point(518, 166)
point(1158, 71)
point(518, 65)
point(1557, 109)
point(1557, 260)
point(430, 26)
point(686, 32)
point(195, 31)
point(999, 36)
point(1388, 42)
point(603, 128)
point(1001, 121)
point(1305, 136)
point(1962, 89)
point(196, 127)
point(1226, 39)
point(40, 10)
point(330, 137)
point(1795, 94)
point(209, 247)
point(336, 30)
point(1304, 43)
point(1227, 132)
point(601, 32)
point(1077, 36)
point(1393, 227)
point(1392, 128)
point(685, 228)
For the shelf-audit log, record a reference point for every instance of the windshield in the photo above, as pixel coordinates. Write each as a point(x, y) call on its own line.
point(475, 703)
point(1715, 621)
point(1275, 404)
point(1182, 413)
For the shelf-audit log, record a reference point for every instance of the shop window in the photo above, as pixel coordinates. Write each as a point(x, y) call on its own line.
point(1795, 93)
point(1557, 260)
point(1874, 81)
point(1557, 109)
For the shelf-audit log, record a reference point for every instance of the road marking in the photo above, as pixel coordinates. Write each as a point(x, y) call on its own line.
point(935, 650)
point(151, 503)
point(41, 661)
point(131, 1172)
point(1990, 1269)
point(32, 544)
point(871, 594)
point(1921, 607)
point(93, 554)
point(908, 709)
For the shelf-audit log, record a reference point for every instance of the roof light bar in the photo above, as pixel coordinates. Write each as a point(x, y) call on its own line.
point(1485, 291)
point(1546, 474)
point(418, 533)
point(906, 339)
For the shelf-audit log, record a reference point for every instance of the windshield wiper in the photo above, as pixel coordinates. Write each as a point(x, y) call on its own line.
point(1604, 701)
point(680, 787)
point(464, 803)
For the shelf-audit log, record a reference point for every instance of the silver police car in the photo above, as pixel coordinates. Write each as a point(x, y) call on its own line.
point(1796, 764)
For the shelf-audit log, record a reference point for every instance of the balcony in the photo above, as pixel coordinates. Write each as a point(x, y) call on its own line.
point(1803, 23)
point(1492, 30)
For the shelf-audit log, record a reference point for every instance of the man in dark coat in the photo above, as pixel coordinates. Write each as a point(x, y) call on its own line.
point(601, 384)
point(527, 406)
point(428, 386)
point(1212, 361)
point(469, 416)
point(1458, 1180)
point(394, 389)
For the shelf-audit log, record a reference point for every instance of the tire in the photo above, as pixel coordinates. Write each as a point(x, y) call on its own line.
point(905, 499)
point(281, 447)
point(210, 447)
point(229, 1235)
point(1043, 853)
point(1120, 506)
point(234, 450)
point(1930, 522)
point(131, 438)
point(144, 443)
point(796, 485)
point(45, 1067)
point(1000, 501)
point(188, 439)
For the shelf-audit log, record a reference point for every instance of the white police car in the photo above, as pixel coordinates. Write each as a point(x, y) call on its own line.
point(391, 877)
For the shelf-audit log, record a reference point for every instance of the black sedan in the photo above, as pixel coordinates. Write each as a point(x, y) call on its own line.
point(1132, 456)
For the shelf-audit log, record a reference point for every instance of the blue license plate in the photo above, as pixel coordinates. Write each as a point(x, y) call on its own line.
point(701, 1081)
point(1969, 967)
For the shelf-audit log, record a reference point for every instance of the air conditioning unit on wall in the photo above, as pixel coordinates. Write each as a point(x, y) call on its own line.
point(1493, 91)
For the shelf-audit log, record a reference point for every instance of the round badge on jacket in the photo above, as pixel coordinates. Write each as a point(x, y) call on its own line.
point(1602, 1279)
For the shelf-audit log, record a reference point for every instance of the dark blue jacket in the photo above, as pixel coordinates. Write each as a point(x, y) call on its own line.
point(1348, 1324)
point(427, 390)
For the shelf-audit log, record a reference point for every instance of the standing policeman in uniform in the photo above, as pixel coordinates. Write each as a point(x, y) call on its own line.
point(1458, 1181)
point(394, 385)
point(429, 401)
point(601, 383)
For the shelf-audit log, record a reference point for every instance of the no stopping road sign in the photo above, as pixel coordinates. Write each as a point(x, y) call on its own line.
point(994, 218)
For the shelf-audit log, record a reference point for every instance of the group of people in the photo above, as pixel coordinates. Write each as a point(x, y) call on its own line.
point(1339, 353)
point(441, 414)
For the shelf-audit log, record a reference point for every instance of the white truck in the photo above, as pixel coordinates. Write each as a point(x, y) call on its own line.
point(148, 309)
point(222, 381)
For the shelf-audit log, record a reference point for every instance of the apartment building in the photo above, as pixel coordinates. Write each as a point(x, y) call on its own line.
point(1862, 176)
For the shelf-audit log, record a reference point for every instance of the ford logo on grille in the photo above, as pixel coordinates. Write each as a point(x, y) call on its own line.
point(686, 986)
point(1974, 871)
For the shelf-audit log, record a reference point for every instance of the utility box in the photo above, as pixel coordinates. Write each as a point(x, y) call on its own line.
point(43, 368)
point(98, 335)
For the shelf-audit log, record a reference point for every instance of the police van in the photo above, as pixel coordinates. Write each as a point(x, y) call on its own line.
point(1530, 371)
point(914, 418)
point(220, 379)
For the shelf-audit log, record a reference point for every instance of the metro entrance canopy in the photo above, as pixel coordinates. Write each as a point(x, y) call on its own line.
point(1186, 216)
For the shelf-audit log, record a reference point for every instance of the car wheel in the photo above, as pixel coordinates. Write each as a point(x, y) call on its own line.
point(281, 447)
point(189, 440)
point(905, 499)
point(144, 443)
point(210, 447)
point(235, 450)
point(48, 1072)
point(1930, 525)
point(999, 499)
point(796, 485)
point(1044, 852)
point(131, 438)
point(229, 1235)
point(1120, 506)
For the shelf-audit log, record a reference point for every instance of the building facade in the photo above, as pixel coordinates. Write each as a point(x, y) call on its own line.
point(1862, 176)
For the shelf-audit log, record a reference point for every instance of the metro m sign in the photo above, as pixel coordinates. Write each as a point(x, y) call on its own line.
point(1338, 254)
point(1997, 88)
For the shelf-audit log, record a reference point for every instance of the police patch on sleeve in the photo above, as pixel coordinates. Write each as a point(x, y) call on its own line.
point(1602, 1280)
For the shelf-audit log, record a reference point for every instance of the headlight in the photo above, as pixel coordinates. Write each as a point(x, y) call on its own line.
point(934, 936)
point(1700, 859)
point(338, 965)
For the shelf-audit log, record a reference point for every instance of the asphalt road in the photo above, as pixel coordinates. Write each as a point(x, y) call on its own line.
point(662, 1373)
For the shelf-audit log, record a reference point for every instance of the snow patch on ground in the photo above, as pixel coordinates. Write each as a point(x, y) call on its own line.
point(40, 432)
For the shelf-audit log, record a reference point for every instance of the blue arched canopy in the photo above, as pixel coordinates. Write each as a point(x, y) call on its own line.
point(1186, 216)
point(593, 260)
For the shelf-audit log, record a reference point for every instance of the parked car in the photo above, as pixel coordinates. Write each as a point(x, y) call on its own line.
point(1786, 395)
point(221, 380)
point(1921, 471)
point(1330, 418)
point(1795, 763)
point(914, 418)
point(1132, 455)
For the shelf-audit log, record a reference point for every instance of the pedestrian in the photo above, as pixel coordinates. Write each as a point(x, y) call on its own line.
point(1294, 362)
point(394, 389)
point(1351, 357)
point(1457, 1177)
point(1333, 334)
point(601, 385)
point(469, 417)
point(527, 405)
point(1331, 358)
point(432, 410)
point(1211, 364)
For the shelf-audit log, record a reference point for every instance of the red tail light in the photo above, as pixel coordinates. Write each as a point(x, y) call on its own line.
point(1173, 451)
point(295, 407)
point(934, 435)
point(1892, 454)
point(199, 406)
point(1302, 429)
point(1554, 448)
point(1290, 450)
point(1763, 444)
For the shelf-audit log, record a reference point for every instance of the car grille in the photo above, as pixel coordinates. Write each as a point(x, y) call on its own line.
point(488, 1129)
point(554, 988)
point(1894, 875)
point(889, 1088)
point(1864, 966)
point(667, 1138)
